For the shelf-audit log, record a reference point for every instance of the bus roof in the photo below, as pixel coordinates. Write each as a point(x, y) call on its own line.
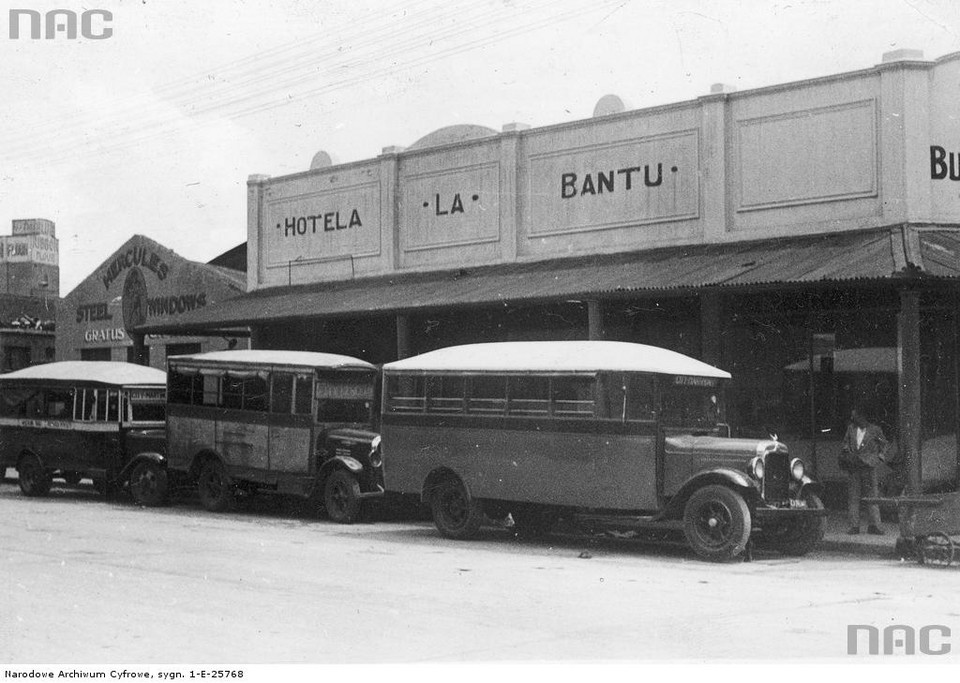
point(557, 356)
point(300, 359)
point(94, 371)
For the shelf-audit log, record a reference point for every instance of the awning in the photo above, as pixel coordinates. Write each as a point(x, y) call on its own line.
point(870, 255)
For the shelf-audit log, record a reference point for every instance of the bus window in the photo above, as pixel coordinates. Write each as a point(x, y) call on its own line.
point(692, 407)
point(488, 394)
point(529, 395)
point(101, 413)
point(86, 408)
point(182, 387)
point(344, 397)
point(572, 396)
point(405, 393)
point(59, 403)
point(211, 391)
point(281, 396)
point(445, 394)
point(13, 402)
point(303, 404)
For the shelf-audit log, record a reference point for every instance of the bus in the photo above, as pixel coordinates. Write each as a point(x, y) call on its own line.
point(248, 421)
point(625, 435)
point(74, 420)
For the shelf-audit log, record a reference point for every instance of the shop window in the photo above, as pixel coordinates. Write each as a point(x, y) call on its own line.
point(95, 354)
point(15, 357)
point(183, 349)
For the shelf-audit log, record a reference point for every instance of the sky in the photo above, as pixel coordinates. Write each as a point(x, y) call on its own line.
point(155, 130)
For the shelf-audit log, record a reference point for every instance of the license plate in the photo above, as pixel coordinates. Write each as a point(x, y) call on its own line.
point(794, 503)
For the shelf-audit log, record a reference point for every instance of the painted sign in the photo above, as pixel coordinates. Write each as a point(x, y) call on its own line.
point(451, 207)
point(322, 225)
point(633, 182)
point(29, 249)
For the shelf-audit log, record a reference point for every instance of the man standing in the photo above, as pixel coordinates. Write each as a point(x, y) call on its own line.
point(864, 448)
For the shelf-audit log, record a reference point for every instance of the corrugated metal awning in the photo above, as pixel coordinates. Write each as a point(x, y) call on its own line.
point(871, 255)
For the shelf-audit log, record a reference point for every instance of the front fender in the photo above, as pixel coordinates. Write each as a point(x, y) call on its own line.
point(152, 456)
point(351, 464)
point(722, 475)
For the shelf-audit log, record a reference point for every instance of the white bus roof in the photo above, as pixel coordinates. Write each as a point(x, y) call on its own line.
point(301, 359)
point(100, 371)
point(557, 356)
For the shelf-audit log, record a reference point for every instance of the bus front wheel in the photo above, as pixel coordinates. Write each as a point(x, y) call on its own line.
point(341, 497)
point(716, 522)
point(215, 487)
point(148, 484)
point(455, 512)
point(34, 480)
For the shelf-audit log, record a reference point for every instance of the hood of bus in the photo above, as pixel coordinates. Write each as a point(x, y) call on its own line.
point(721, 448)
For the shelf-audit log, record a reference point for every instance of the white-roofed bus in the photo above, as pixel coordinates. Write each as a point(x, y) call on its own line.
point(74, 420)
point(269, 421)
point(630, 436)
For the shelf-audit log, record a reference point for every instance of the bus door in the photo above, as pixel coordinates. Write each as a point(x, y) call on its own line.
point(96, 424)
point(243, 428)
point(291, 422)
point(626, 465)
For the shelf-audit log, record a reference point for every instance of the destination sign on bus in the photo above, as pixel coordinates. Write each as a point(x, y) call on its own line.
point(691, 381)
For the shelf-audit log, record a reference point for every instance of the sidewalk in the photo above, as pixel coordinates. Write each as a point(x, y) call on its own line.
point(838, 540)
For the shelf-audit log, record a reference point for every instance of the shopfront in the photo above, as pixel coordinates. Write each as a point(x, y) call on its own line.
point(804, 237)
point(143, 283)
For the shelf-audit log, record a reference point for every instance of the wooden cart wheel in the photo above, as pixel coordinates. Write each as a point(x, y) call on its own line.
point(936, 550)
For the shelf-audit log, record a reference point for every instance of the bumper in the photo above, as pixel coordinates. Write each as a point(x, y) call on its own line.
point(784, 514)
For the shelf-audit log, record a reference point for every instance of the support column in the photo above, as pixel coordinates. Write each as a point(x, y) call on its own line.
point(908, 380)
point(404, 349)
point(256, 337)
point(139, 348)
point(594, 320)
point(711, 327)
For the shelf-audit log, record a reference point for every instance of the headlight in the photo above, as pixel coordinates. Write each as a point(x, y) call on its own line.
point(756, 467)
point(797, 468)
point(375, 458)
point(375, 444)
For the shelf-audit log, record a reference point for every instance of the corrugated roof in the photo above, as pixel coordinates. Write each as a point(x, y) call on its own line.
point(878, 254)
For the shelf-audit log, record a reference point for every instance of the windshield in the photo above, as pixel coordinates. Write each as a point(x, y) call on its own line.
point(688, 406)
point(345, 397)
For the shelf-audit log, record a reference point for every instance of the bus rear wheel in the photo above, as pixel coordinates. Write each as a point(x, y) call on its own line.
point(341, 497)
point(34, 480)
point(456, 514)
point(148, 484)
point(215, 487)
point(716, 523)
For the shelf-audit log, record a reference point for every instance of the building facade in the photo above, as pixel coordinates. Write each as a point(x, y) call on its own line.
point(29, 293)
point(143, 282)
point(805, 237)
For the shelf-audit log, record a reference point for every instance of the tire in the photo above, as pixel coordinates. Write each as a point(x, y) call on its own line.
point(215, 487)
point(533, 521)
point(341, 497)
point(716, 523)
point(71, 478)
point(456, 514)
point(34, 480)
point(148, 484)
point(105, 488)
point(799, 537)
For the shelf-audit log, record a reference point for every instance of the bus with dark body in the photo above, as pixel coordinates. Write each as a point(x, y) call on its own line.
point(75, 419)
point(540, 430)
point(248, 421)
